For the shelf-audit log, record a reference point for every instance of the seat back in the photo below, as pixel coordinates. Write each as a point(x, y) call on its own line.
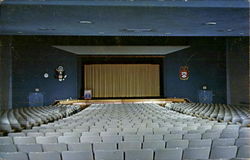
point(143, 154)
point(14, 156)
point(80, 147)
point(177, 143)
point(154, 145)
point(168, 154)
point(196, 153)
point(44, 156)
point(223, 152)
point(104, 146)
point(24, 140)
point(109, 155)
point(6, 140)
point(54, 147)
point(68, 139)
point(8, 148)
point(244, 151)
point(77, 155)
point(46, 140)
point(129, 145)
point(29, 148)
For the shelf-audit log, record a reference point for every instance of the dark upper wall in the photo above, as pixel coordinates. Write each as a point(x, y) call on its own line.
point(30, 62)
point(207, 64)
point(238, 70)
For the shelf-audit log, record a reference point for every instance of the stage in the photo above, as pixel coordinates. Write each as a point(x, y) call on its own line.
point(160, 101)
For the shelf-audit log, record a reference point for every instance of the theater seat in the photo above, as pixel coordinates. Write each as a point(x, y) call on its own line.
point(77, 155)
point(168, 154)
point(68, 139)
point(129, 145)
point(194, 143)
point(196, 153)
point(54, 147)
point(6, 140)
point(80, 147)
point(154, 145)
point(144, 154)
point(226, 152)
point(14, 156)
point(29, 148)
point(8, 148)
point(104, 146)
point(109, 155)
point(244, 151)
point(44, 156)
point(24, 140)
point(177, 143)
point(46, 140)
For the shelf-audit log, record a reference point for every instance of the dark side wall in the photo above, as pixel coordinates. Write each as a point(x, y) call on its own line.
point(238, 74)
point(207, 65)
point(30, 62)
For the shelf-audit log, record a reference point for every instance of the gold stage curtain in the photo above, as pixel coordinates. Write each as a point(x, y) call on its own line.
point(122, 80)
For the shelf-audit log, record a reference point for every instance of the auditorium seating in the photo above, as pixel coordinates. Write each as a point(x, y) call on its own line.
point(24, 118)
point(220, 112)
point(128, 132)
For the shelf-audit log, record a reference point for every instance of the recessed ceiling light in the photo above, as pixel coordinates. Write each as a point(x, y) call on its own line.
point(168, 33)
point(46, 29)
point(185, 0)
point(220, 30)
point(211, 23)
point(85, 22)
point(137, 30)
point(230, 30)
point(101, 32)
point(241, 33)
point(20, 32)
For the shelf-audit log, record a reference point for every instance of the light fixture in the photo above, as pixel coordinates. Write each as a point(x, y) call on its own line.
point(137, 30)
point(46, 75)
point(229, 29)
point(85, 22)
point(211, 23)
point(220, 30)
point(46, 29)
point(168, 33)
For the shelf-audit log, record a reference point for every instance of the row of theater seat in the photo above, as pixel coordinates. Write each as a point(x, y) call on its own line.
point(229, 137)
point(220, 112)
point(131, 130)
point(227, 152)
point(21, 118)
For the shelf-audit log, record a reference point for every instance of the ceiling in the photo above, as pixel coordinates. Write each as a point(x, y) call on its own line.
point(121, 50)
point(125, 17)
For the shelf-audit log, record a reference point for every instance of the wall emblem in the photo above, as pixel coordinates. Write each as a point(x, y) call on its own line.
point(60, 73)
point(184, 73)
